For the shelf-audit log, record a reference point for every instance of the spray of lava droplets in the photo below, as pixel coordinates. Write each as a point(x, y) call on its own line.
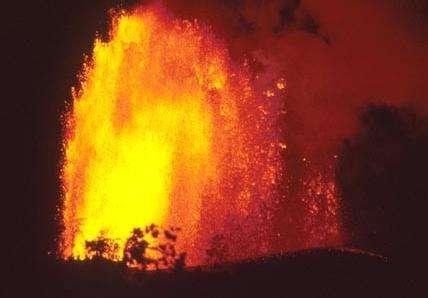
point(166, 130)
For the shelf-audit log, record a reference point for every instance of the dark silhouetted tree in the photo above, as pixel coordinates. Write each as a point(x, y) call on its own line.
point(135, 251)
point(102, 247)
point(161, 255)
point(217, 252)
point(382, 177)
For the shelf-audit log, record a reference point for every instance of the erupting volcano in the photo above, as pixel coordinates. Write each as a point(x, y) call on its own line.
point(230, 148)
point(165, 129)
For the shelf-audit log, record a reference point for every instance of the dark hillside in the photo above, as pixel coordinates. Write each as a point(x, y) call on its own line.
point(311, 273)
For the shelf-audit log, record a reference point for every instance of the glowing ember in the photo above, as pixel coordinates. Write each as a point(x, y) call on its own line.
point(164, 130)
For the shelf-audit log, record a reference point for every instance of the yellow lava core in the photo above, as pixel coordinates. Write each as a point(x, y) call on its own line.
point(155, 135)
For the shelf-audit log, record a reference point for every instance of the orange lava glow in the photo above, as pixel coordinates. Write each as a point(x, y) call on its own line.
point(165, 130)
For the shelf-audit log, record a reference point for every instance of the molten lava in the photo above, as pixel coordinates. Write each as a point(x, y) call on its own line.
point(165, 130)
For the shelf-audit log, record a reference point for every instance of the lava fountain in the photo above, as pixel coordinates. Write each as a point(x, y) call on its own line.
point(165, 129)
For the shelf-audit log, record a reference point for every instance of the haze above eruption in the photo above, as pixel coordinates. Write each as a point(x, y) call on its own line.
point(337, 56)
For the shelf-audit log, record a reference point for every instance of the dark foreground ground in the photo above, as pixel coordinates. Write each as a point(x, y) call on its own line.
point(311, 273)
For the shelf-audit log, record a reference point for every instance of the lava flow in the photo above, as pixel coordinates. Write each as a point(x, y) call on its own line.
point(164, 129)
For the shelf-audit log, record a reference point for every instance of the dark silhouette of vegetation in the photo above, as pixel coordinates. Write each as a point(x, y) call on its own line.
point(169, 257)
point(218, 250)
point(148, 248)
point(102, 247)
point(136, 249)
point(382, 177)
